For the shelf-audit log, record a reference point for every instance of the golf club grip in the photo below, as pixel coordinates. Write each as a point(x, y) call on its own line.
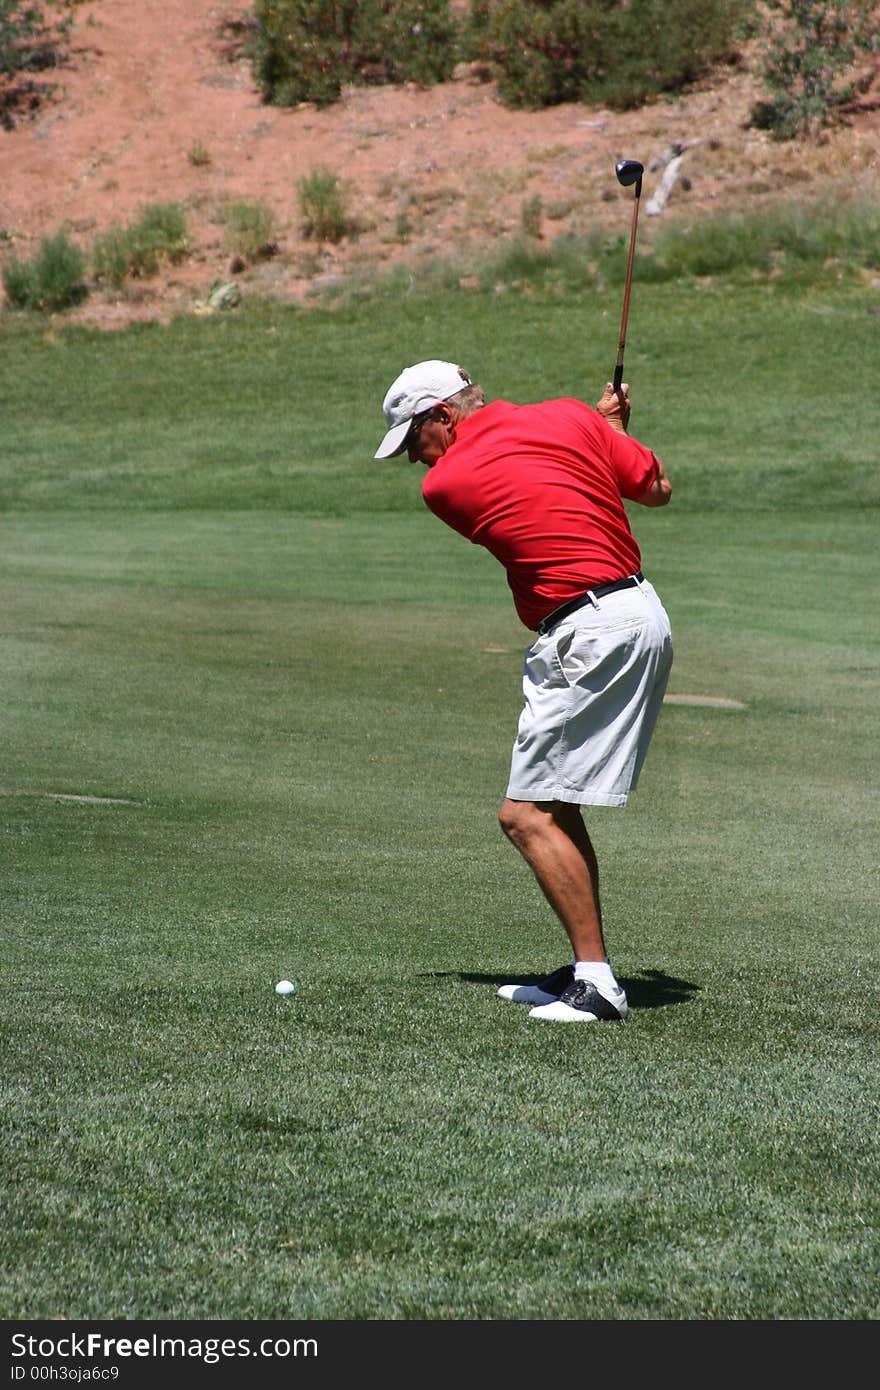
point(618, 376)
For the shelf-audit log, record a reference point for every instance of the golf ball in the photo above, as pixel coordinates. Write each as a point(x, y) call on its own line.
point(285, 987)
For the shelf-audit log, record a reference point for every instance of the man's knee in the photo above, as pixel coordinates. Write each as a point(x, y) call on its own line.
point(509, 816)
point(520, 820)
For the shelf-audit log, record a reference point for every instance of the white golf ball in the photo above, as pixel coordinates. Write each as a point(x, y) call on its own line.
point(285, 987)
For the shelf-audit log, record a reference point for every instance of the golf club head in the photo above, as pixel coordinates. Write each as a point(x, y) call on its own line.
point(629, 172)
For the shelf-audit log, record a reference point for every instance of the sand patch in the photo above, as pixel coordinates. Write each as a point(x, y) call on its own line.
point(69, 796)
point(705, 701)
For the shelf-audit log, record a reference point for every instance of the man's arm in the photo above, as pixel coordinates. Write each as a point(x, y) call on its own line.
point(660, 491)
point(615, 407)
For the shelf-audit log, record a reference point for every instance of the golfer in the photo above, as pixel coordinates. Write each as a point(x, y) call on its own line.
point(542, 487)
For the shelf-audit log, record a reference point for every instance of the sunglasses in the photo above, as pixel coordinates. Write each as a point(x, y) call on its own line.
point(417, 422)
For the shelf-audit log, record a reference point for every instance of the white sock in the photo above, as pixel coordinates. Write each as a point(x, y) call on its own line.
point(599, 973)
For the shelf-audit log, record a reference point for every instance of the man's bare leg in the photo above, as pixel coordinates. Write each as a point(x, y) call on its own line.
point(553, 840)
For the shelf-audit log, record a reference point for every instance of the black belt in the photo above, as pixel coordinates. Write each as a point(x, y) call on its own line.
point(575, 603)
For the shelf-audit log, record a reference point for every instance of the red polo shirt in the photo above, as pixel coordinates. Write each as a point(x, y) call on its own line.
point(542, 488)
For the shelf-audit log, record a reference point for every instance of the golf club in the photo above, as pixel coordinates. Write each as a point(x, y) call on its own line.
point(629, 172)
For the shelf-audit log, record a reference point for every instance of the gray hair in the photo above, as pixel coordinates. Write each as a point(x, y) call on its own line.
point(468, 400)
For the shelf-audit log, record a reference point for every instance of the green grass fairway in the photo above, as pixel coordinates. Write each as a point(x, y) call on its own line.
point(257, 710)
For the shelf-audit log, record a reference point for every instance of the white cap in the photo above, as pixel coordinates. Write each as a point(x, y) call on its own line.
point(416, 390)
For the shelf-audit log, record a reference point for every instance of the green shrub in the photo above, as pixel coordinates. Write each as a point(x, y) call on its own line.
point(473, 33)
point(531, 214)
point(198, 156)
point(159, 234)
point(31, 40)
point(29, 37)
point(544, 53)
point(324, 206)
point(550, 51)
point(249, 227)
point(656, 46)
point(307, 50)
point(19, 26)
point(18, 280)
point(51, 280)
point(811, 47)
point(111, 256)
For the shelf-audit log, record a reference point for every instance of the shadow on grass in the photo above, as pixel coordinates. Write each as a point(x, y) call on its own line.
point(652, 989)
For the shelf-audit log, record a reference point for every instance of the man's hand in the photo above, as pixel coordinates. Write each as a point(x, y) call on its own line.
point(615, 407)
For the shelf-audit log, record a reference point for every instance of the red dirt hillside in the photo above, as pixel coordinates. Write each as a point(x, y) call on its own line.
point(443, 169)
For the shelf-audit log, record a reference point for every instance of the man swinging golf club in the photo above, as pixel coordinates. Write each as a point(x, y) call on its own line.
point(542, 487)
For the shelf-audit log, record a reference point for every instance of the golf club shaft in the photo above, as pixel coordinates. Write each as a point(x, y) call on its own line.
point(618, 370)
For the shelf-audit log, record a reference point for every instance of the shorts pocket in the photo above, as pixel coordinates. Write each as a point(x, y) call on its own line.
point(543, 667)
point(582, 657)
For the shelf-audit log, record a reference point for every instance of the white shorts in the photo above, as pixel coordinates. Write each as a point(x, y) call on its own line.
point(593, 686)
